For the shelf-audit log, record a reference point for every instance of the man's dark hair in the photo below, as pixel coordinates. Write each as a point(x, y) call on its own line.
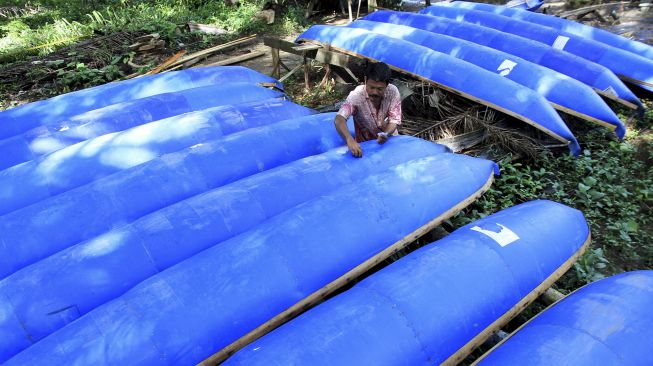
point(377, 71)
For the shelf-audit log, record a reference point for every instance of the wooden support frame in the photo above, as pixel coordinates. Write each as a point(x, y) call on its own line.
point(320, 53)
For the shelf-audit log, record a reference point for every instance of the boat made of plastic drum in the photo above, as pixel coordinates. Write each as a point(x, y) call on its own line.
point(35, 232)
point(87, 161)
point(118, 117)
point(49, 111)
point(565, 25)
point(608, 322)
point(530, 5)
point(431, 306)
point(628, 66)
point(51, 293)
point(600, 78)
point(450, 73)
point(201, 305)
point(552, 85)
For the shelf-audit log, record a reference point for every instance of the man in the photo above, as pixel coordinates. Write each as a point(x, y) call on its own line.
point(376, 107)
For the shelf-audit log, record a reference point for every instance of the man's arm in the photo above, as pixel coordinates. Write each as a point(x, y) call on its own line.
point(343, 131)
point(387, 132)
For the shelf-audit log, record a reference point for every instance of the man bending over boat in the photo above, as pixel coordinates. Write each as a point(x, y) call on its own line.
point(375, 106)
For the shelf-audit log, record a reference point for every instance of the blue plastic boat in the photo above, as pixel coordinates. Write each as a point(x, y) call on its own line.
point(530, 5)
point(600, 78)
point(35, 232)
point(87, 161)
point(23, 118)
point(434, 305)
point(628, 66)
point(605, 323)
point(555, 87)
point(565, 25)
point(117, 117)
point(39, 292)
point(449, 73)
point(190, 310)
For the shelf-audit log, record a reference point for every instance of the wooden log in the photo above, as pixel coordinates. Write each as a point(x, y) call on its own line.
point(321, 294)
point(551, 296)
point(237, 59)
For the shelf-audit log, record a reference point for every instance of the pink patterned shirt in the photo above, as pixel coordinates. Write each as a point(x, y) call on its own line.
point(369, 121)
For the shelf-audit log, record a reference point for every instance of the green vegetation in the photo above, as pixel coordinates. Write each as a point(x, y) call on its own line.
point(610, 183)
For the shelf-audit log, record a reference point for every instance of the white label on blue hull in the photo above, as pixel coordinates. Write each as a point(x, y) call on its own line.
point(504, 237)
point(506, 67)
point(560, 42)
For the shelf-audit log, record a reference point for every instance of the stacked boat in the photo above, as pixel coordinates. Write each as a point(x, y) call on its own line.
point(161, 219)
point(524, 64)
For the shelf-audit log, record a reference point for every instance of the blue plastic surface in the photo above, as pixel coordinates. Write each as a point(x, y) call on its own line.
point(51, 293)
point(185, 313)
point(36, 231)
point(465, 78)
point(87, 161)
point(608, 322)
point(117, 117)
point(590, 73)
point(565, 25)
point(552, 85)
point(423, 308)
point(623, 63)
point(23, 118)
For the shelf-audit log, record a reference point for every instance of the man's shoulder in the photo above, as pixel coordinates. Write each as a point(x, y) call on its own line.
point(392, 90)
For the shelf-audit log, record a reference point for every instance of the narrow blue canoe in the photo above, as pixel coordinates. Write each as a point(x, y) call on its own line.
point(118, 117)
point(604, 81)
point(552, 85)
point(605, 323)
point(35, 232)
point(23, 118)
point(183, 314)
point(87, 161)
point(628, 66)
point(450, 73)
point(530, 5)
point(39, 292)
point(564, 25)
point(435, 305)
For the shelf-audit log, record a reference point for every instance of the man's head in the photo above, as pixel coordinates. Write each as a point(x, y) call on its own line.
point(377, 76)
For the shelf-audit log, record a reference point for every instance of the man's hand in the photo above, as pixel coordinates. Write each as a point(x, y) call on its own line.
point(382, 137)
point(355, 148)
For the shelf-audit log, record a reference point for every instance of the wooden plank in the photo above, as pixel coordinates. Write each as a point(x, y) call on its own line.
point(237, 59)
point(321, 294)
point(521, 306)
point(290, 73)
point(614, 98)
point(306, 47)
point(590, 8)
point(166, 63)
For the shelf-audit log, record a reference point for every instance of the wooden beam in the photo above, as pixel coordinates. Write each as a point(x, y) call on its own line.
point(275, 63)
point(237, 59)
point(213, 49)
point(290, 73)
point(321, 294)
point(371, 6)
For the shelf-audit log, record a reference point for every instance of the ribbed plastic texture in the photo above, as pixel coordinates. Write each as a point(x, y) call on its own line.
point(87, 161)
point(423, 308)
point(552, 85)
point(566, 25)
point(121, 116)
point(451, 72)
point(23, 118)
point(185, 313)
point(623, 63)
point(55, 291)
point(608, 322)
point(46, 227)
point(590, 73)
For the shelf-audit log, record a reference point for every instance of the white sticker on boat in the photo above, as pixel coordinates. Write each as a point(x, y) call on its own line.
point(610, 91)
point(560, 42)
point(506, 67)
point(504, 237)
